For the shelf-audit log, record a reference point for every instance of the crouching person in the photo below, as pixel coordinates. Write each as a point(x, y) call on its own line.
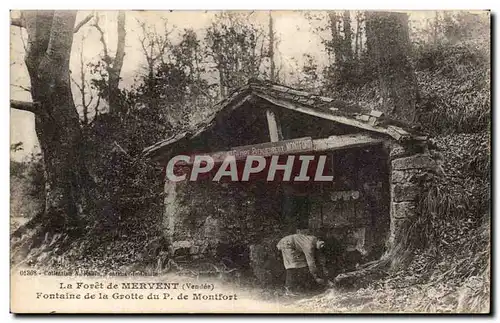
point(301, 257)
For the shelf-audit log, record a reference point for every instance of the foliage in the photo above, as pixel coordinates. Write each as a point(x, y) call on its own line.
point(454, 87)
point(451, 60)
point(129, 190)
point(237, 49)
point(450, 271)
point(161, 102)
point(469, 296)
point(100, 83)
point(16, 146)
point(310, 77)
point(27, 187)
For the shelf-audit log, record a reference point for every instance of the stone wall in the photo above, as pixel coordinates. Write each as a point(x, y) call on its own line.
point(203, 216)
point(408, 165)
point(199, 217)
point(185, 228)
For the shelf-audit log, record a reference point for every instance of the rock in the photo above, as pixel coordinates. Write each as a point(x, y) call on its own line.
point(403, 210)
point(397, 151)
point(265, 263)
point(397, 230)
point(401, 192)
point(404, 176)
point(211, 229)
point(176, 245)
point(413, 162)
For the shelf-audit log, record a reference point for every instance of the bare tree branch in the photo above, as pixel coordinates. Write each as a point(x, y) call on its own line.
point(96, 108)
point(19, 22)
point(76, 83)
point(82, 86)
point(83, 22)
point(154, 45)
point(149, 59)
point(91, 98)
point(120, 46)
point(27, 89)
point(205, 93)
point(121, 149)
point(25, 106)
point(22, 39)
point(101, 32)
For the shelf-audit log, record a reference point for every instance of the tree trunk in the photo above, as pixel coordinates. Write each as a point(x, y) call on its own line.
point(388, 45)
point(346, 19)
point(222, 81)
point(113, 65)
point(271, 48)
point(435, 29)
point(116, 66)
point(357, 51)
point(50, 37)
point(337, 52)
point(83, 88)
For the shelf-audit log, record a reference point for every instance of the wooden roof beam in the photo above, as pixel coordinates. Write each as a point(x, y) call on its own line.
point(323, 115)
point(318, 145)
point(274, 126)
point(344, 142)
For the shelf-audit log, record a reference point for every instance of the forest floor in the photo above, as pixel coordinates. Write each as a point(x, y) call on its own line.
point(469, 296)
point(435, 296)
point(459, 283)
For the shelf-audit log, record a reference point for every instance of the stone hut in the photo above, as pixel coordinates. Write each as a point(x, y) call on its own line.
point(372, 159)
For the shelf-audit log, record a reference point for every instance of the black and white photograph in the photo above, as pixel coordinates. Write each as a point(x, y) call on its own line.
point(252, 161)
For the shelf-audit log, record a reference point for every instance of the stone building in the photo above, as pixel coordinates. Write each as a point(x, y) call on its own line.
point(375, 163)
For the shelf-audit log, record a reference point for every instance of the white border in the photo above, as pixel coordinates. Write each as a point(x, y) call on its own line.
point(192, 5)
